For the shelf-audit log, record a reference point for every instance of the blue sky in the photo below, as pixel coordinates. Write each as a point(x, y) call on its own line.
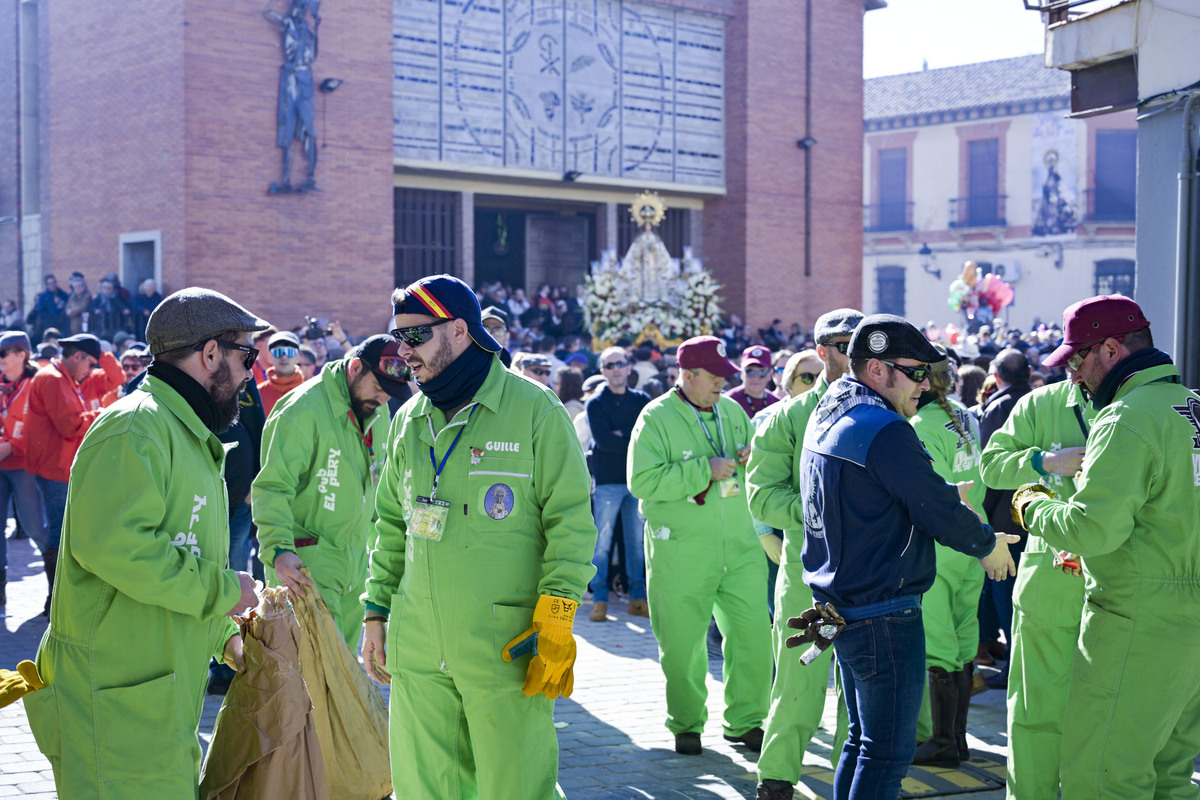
point(947, 33)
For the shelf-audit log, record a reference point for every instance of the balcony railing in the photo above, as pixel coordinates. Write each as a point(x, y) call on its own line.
point(980, 211)
point(1109, 206)
point(881, 217)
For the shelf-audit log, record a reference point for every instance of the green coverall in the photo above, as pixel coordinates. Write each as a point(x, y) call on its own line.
point(798, 692)
point(315, 495)
point(1047, 603)
point(950, 607)
point(1132, 723)
point(701, 561)
point(519, 526)
point(140, 603)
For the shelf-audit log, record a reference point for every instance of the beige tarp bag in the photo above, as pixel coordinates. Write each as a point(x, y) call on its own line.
point(264, 745)
point(348, 710)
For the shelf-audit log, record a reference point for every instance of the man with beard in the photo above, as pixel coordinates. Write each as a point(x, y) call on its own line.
point(1134, 519)
point(485, 538)
point(314, 500)
point(146, 598)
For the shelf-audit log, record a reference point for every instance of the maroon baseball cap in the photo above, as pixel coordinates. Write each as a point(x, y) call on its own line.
point(1094, 320)
point(756, 354)
point(707, 353)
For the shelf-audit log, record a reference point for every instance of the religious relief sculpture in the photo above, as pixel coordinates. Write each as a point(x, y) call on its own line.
point(648, 294)
point(295, 110)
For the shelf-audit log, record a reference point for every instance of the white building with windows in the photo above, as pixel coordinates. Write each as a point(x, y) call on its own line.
point(982, 162)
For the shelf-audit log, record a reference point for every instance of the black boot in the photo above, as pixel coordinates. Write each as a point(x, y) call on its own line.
point(964, 676)
point(940, 749)
point(50, 559)
point(774, 790)
point(3, 587)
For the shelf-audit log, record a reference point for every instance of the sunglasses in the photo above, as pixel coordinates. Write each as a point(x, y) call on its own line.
point(757, 373)
point(1076, 361)
point(394, 367)
point(417, 335)
point(616, 364)
point(284, 352)
point(915, 374)
point(132, 367)
point(841, 347)
point(251, 353)
point(540, 371)
point(8, 351)
point(779, 370)
point(807, 377)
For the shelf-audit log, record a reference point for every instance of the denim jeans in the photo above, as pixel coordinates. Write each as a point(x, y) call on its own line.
point(239, 538)
point(612, 499)
point(882, 661)
point(54, 496)
point(20, 487)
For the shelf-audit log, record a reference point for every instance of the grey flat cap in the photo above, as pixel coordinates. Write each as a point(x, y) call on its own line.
point(839, 322)
point(195, 315)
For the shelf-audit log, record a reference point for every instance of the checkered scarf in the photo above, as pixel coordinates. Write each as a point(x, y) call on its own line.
point(843, 395)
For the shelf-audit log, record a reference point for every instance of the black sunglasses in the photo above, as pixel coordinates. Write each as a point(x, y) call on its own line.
point(615, 364)
point(915, 374)
point(841, 347)
point(247, 360)
point(542, 371)
point(417, 335)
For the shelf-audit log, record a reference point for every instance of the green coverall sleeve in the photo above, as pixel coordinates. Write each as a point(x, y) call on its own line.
point(1007, 461)
point(771, 495)
point(652, 475)
point(387, 558)
point(286, 464)
point(128, 549)
point(562, 489)
point(1100, 516)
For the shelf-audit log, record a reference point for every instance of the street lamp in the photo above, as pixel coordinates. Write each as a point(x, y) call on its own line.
point(928, 259)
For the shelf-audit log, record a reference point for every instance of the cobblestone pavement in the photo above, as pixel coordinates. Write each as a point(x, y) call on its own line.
point(613, 742)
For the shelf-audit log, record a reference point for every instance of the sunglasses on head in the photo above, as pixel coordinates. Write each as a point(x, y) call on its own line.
point(807, 377)
point(540, 371)
point(757, 372)
point(417, 335)
point(616, 364)
point(394, 367)
point(915, 374)
point(251, 353)
point(284, 352)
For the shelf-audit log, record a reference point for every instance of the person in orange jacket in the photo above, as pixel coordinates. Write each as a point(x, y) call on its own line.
point(283, 375)
point(16, 484)
point(133, 363)
point(64, 401)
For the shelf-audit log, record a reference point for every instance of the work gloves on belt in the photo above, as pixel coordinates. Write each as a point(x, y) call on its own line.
point(552, 646)
point(15, 685)
point(819, 625)
point(1024, 496)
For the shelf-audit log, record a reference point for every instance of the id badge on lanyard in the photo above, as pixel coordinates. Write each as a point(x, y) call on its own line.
point(429, 514)
point(729, 487)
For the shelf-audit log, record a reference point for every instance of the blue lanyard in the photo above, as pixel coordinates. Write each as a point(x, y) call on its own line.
point(437, 468)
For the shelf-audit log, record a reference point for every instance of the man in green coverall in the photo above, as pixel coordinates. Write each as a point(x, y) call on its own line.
point(773, 482)
point(1042, 440)
point(1132, 723)
point(950, 606)
point(485, 546)
point(314, 501)
point(685, 464)
point(143, 597)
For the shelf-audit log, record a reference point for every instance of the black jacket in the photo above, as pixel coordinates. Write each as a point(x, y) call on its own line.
point(996, 502)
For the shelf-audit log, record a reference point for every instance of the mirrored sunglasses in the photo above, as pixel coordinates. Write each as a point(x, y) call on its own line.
point(616, 364)
point(807, 377)
point(417, 335)
point(757, 372)
point(915, 374)
point(394, 367)
point(284, 352)
point(841, 347)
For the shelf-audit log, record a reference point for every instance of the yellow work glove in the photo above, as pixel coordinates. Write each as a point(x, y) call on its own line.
point(552, 646)
point(15, 685)
point(1023, 497)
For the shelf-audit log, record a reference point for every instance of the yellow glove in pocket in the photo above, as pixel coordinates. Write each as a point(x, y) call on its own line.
point(550, 642)
point(1024, 496)
point(15, 685)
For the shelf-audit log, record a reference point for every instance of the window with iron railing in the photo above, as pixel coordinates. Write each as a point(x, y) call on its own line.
point(978, 211)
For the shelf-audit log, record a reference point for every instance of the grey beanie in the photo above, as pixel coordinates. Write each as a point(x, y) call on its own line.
point(195, 315)
point(9, 339)
point(839, 322)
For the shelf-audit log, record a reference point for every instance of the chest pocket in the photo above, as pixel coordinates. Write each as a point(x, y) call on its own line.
point(499, 492)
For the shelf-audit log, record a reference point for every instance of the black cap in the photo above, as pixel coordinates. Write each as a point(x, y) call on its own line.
point(83, 341)
point(381, 355)
point(886, 336)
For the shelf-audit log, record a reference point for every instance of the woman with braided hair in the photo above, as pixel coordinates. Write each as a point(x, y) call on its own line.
point(951, 436)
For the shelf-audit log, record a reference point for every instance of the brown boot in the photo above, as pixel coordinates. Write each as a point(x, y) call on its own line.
point(599, 612)
point(638, 608)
